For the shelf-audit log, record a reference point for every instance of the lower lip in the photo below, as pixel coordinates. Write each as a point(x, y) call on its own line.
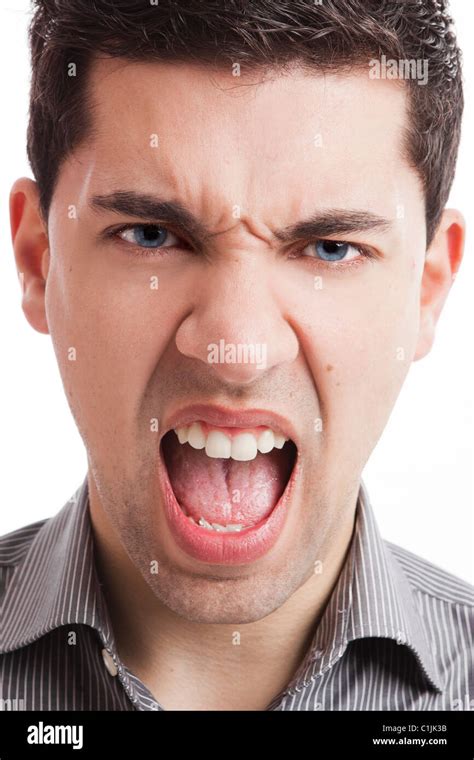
point(221, 548)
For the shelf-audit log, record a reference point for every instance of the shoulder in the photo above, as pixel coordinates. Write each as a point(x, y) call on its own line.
point(41, 537)
point(444, 611)
point(431, 580)
point(14, 545)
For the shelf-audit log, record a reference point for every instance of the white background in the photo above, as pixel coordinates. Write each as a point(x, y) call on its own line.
point(419, 477)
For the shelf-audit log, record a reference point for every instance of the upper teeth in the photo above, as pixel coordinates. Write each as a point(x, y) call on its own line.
point(242, 447)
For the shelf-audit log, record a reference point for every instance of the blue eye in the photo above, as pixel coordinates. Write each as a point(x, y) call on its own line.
point(333, 250)
point(148, 236)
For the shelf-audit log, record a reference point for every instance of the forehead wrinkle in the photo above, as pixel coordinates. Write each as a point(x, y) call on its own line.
point(198, 186)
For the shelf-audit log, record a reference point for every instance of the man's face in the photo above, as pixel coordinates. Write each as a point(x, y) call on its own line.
point(132, 333)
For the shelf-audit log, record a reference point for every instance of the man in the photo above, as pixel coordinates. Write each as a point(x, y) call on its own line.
point(237, 240)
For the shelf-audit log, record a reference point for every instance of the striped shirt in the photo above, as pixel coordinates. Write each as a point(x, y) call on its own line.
point(396, 633)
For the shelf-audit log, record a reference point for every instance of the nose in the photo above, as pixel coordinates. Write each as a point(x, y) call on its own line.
point(237, 326)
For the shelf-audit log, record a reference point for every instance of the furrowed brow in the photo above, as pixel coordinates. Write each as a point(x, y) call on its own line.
point(326, 223)
point(151, 209)
point(333, 222)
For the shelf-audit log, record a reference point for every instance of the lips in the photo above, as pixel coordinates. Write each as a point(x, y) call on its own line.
point(220, 416)
point(223, 508)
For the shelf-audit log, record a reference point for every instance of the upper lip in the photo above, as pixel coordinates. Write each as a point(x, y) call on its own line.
point(222, 416)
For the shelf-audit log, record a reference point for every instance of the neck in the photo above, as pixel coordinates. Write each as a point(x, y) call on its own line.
point(192, 665)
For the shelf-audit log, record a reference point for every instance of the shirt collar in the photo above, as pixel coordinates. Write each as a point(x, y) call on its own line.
point(372, 598)
point(56, 584)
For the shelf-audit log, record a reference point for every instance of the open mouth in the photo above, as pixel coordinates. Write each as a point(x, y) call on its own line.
point(227, 484)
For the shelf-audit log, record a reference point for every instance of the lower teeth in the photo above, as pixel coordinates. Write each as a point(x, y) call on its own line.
point(233, 528)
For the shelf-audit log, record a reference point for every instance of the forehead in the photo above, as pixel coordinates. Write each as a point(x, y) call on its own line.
point(201, 134)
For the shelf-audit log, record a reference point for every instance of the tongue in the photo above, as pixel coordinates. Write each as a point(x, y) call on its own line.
point(225, 491)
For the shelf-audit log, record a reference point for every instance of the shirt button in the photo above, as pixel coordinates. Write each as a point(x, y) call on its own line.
point(109, 663)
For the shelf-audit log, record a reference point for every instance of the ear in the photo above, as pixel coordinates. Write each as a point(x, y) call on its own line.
point(31, 248)
point(442, 262)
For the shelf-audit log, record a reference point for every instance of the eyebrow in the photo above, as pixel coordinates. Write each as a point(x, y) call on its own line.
point(323, 223)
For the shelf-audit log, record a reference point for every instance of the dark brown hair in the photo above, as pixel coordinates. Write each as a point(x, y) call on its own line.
point(331, 35)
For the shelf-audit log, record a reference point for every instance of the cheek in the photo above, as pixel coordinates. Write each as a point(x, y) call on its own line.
point(359, 338)
point(109, 330)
